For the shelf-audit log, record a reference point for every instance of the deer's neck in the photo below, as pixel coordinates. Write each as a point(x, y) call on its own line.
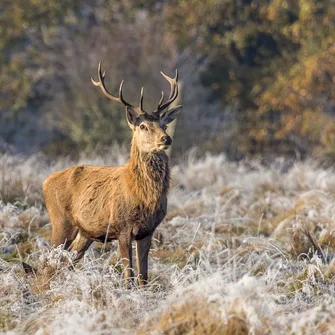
point(149, 175)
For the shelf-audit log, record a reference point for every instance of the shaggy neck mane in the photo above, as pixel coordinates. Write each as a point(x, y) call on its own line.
point(149, 175)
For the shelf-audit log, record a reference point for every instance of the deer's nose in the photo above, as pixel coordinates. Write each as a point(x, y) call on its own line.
point(166, 139)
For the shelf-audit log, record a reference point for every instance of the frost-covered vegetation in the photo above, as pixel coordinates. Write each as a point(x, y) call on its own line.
point(244, 249)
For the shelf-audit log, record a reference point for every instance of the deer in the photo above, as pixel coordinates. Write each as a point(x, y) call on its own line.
point(126, 203)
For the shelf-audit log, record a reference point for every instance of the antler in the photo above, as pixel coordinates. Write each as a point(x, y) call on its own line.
point(161, 106)
point(173, 94)
point(140, 106)
point(101, 83)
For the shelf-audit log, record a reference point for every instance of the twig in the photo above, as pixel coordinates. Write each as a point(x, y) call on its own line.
point(314, 243)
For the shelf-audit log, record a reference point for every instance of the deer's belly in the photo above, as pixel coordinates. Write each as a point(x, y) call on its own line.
point(139, 221)
point(100, 231)
point(104, 238)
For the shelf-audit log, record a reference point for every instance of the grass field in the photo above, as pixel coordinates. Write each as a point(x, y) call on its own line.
point(244, 249)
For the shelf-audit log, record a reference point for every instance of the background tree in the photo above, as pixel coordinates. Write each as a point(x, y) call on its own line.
point(257, 75)
point(272, 62)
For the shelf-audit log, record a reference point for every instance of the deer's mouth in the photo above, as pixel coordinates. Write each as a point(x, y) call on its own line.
point(164, 142)
point(163, 146)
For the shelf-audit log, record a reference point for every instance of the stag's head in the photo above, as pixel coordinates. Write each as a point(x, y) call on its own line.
point(149, 129)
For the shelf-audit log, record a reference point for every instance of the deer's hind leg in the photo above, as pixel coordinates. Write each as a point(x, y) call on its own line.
point(62, 232)
point(80, 244)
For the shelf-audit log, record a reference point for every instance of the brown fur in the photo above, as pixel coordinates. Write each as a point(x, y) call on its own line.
point(87, 203)
point(110, 203)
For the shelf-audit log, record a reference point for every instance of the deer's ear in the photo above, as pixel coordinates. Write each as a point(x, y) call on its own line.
point(131, 117)
point(168, 116)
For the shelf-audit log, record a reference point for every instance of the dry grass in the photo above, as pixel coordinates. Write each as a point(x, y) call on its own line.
point(198, 317)
point(244, 249)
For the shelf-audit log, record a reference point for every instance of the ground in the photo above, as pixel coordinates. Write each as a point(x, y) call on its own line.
point(244, 249)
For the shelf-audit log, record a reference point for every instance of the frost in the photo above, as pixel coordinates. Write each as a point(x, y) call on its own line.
point(244, 246)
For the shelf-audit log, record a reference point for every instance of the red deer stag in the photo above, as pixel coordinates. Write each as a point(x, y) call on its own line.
point(103, 203)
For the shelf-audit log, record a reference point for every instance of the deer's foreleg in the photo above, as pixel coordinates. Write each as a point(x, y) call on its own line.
point(142, 253)
point(126, 255)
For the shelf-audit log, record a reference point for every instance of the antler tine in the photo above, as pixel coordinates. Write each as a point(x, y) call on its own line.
point(101, 83)
point(141, 100)
point(121, 96)
point(172, 81)
point(161, 100)
point(173, 93)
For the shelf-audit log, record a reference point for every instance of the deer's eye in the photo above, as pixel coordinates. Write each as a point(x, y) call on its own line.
point(143, 127)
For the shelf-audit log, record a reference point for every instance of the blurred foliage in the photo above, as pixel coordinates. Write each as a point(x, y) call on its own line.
point(273, 61)
point(257, 75)
point(51, 49)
